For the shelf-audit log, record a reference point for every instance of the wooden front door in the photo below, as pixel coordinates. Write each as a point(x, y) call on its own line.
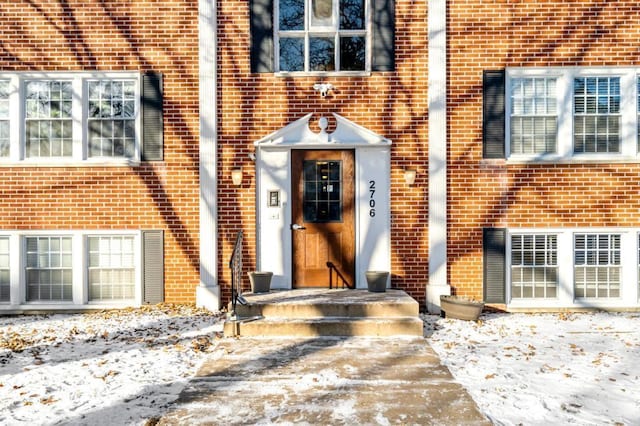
point(323, 214)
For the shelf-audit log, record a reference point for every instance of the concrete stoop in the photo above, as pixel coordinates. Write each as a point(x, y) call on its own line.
point(322, 312)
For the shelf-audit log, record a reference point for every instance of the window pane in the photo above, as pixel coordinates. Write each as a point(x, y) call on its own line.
point(291, 15)
point(534, 270)
point(291, 54)
point(352, 14)
point(352, 53)
point(597, 270)
point(48, 268)
point(533, 115)
point(322, 13)
point(596, 114)
point(111, 269)
point(111, 111)
point(321, 54)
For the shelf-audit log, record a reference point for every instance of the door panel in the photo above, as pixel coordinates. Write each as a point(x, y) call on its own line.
point(323, 205)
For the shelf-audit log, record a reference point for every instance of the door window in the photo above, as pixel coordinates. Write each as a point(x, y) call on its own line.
point(321, 200)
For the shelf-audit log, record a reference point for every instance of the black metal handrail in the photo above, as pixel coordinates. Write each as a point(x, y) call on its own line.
point(235, 264)
point(332, 268)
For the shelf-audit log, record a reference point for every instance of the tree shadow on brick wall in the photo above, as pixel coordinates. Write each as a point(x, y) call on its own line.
point(492, 193)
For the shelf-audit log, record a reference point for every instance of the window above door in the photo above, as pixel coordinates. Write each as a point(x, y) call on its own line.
point(320, 37)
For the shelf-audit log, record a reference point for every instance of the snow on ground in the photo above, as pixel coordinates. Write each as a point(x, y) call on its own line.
point(536, 369)
point(126, 367)
point(110, 367)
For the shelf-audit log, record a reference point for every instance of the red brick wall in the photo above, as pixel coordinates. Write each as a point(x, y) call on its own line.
point(492, 35)
point(114, 35)
point(393, 104)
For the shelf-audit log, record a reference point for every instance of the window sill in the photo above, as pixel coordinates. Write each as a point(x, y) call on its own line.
point(575, 159)
point(62, 306)
point(70, 163)
point(284, 74)
point(555, 304)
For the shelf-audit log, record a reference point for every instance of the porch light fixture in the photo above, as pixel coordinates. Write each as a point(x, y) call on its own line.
point(410, 177)
point(236, 176)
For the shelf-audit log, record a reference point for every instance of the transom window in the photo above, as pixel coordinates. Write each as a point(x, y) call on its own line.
point(534, 266)
point(111, 268)
point(596, 114)
point(321, 35)
point(534, 115)
point(49, 268)
point(597, 265)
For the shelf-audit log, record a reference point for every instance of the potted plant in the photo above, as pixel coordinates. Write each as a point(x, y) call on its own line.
point(260, 281)
point(460, 307)
point(377, 281)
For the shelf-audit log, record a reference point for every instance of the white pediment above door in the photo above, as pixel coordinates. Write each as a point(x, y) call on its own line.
point(346, 134)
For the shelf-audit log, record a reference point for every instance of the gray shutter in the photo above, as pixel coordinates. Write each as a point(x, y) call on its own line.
point(261, 22)
point(152, 266)
point(151, 102)
point(383, 56)
point(494, 255)
point(493, 114)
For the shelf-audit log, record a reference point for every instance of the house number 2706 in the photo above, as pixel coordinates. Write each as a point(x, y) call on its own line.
point(372, 200)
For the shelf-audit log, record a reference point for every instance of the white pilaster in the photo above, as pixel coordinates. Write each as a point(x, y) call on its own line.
point(437, 100)
point(208, 293)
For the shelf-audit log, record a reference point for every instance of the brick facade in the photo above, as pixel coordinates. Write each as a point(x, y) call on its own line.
point(492, 193)
point(116, 35)
point(163, 37)
point(392, 104)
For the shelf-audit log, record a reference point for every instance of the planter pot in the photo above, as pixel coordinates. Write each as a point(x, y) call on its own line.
point(460, 308)
point(260, 281)
point(377, 281)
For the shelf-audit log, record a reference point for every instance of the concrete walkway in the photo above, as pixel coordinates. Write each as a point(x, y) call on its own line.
point(324, 381)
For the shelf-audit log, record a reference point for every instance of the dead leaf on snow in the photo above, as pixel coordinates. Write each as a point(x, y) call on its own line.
point(48, 401)
point(490, 376)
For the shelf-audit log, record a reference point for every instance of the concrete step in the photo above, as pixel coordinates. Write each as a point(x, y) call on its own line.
point(329, 303)
point(329, 326)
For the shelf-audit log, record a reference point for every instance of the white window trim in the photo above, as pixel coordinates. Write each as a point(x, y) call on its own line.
point(17, 155)
point(17, 260)
point(368, 30)
point(629, 294)
point(564, 95)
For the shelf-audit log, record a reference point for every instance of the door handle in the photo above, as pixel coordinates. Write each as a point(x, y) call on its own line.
point(296, 227)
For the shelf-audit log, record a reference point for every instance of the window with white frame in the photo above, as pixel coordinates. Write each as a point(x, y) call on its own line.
point(48, 268)
point(111, 118)
point(596, 114)
point(573, 113)
point(597, 265)
point(321, 35)
point(5, 283)
point(111, 267)
point(69, 116)
point(534, 266)
point(534, 115)
point(5, 140)
point(48, 121)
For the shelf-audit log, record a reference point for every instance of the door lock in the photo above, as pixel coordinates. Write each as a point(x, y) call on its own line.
point(296, 227)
